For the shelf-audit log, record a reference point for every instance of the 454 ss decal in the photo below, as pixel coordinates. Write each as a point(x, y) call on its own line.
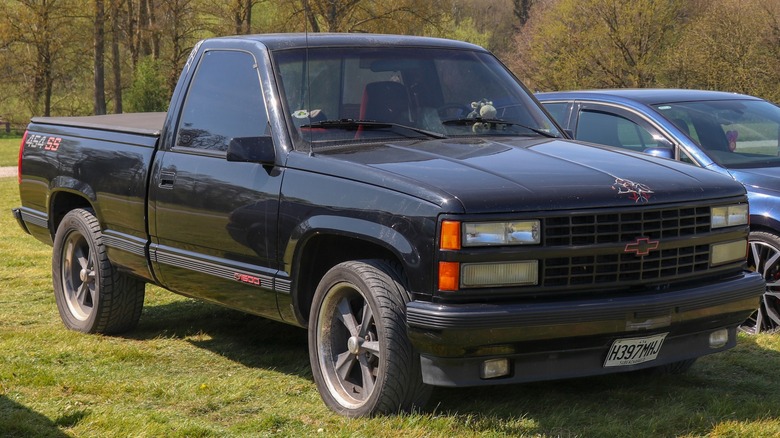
point(45, 142)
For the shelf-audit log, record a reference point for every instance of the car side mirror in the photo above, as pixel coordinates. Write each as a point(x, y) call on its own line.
point(252, 150)
point(662, 152)
point(663, 148)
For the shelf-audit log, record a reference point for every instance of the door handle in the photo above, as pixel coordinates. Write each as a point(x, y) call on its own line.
point(167, 179)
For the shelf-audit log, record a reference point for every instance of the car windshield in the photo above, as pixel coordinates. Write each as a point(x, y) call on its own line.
point(368, 94)
point(734, 133)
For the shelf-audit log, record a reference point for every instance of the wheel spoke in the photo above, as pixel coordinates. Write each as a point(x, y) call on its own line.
point(344, 364)
point(68, 254)
point(754, 250)
point(367, 372)
point(367, 320)
point(760, 318)
point(371, 347)
point(773, 316)
point(81, 293)
point(770, 263)
point(346, 316)
point(83, 262)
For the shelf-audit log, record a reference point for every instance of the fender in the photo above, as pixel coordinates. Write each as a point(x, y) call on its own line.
point(764, 211)
point(374, 233)
point(349, 227)
point(70, 185)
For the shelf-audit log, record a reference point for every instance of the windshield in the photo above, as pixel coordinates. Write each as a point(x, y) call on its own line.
point(733, 133)
point(366, 94)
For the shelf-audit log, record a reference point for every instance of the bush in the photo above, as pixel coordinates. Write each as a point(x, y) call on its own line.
point(148, 92)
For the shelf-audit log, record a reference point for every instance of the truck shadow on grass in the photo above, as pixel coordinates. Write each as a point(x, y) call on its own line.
point(21, 421)
point(737, 389)
point(250, 340)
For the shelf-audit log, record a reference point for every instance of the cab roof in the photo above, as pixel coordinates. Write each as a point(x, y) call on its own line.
point(281, 41)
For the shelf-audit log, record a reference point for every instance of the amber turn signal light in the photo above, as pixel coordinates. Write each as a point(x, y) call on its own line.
point(449, 276)
point(450, 235)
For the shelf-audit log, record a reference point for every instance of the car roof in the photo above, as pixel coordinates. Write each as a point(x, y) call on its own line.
point(281, 41)
point(647, 96)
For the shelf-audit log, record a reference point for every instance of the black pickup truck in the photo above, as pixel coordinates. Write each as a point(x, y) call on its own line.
point(407, 201)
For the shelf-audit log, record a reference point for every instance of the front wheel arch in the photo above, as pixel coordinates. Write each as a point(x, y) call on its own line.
point(322, 252)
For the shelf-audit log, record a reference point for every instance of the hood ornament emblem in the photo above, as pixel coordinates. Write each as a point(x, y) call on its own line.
point(637, 192)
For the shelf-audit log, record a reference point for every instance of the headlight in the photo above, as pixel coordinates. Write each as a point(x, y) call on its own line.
point(501, 233)
point(729, 215)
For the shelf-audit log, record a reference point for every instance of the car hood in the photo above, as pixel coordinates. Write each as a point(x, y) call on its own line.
point(518, 174)
point(762, 179)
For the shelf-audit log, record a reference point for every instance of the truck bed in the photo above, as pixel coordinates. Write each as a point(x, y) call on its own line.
point(149, 124)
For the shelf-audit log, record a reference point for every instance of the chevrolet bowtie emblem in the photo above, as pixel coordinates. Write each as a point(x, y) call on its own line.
point(642, 246)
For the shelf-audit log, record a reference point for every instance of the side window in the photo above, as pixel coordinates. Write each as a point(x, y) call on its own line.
point(224, 101)
point(614, 130)
point(559, 111)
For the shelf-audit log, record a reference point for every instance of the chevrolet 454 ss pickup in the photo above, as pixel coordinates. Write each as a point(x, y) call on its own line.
point(408, 202)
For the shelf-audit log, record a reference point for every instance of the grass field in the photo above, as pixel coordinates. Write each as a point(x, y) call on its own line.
point(196, 370)
point(9, 151)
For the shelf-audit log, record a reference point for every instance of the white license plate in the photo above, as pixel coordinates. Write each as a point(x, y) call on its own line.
point(632, 351)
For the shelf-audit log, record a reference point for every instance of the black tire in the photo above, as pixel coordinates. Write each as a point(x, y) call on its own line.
point(764, 257)
point(92, 297)
point(361, 358)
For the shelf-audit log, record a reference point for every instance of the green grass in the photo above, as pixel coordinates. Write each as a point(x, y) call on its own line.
point(196, 370)
point(9, 151)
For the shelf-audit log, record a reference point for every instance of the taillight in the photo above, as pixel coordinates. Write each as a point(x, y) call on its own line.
point(19, 164)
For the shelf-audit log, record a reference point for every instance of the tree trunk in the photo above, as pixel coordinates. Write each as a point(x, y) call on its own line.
point(144, 48)
point(249, 4)
point(522, 9)
point(132, 25)
point(116, 62)
point(153, 30)
point(100, 40)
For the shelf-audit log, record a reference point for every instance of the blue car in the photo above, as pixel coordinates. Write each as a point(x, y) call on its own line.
point(733, 134)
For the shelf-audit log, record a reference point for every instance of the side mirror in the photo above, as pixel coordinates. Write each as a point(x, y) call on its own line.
point(252, 150)
point(667, 153)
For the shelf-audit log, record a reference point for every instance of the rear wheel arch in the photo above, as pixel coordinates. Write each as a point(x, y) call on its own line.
point(61, 203)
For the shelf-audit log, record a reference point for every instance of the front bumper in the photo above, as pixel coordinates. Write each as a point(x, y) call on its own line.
point(570, 338)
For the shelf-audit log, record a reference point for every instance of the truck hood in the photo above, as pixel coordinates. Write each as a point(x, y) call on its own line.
point(518, 174)
point(765, 179)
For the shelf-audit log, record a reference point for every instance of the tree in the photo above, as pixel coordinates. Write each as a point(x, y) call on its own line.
point(148, 92)
point(733, 45)
point(183, 28)
point(41, 36)
point(399, 16)
point(597, 43)
point(232, 17)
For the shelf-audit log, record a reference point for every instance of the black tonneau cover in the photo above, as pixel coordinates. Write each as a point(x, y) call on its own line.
point(149, 124)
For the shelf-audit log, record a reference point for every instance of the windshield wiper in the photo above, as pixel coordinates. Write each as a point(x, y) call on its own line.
point(471, 121)
point(370, 124)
